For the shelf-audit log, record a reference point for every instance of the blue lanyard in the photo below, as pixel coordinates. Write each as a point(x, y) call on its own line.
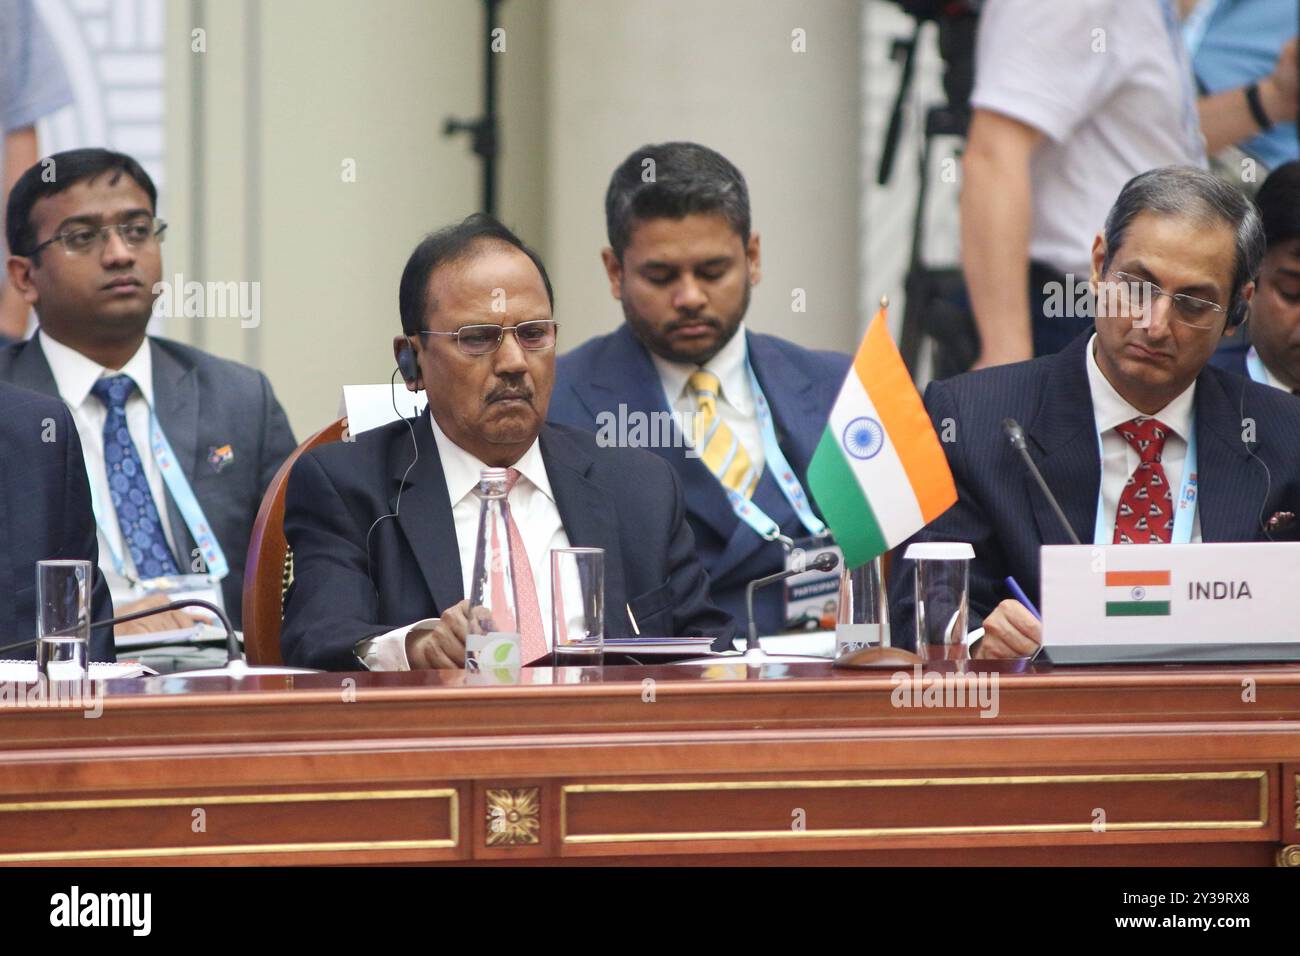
point(1185, 503)
point(1195, 23)
point(779, 465)
point(1255, 368)
point(186, 503)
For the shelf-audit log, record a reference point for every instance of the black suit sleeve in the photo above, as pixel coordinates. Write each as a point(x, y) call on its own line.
point(277, 441)
point(332, 603)
point(964, 521)
point(79, 539)
point(694, 614)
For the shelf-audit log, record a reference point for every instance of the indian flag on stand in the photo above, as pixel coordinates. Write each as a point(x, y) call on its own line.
point(879, 474)
point(1138, 593)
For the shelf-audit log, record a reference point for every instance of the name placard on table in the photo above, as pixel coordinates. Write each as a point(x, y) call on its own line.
point(1171, 602)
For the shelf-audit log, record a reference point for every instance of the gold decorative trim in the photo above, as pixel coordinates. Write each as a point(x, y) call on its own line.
point(513, 817)
point(1289, 855)
point(335, 796)
point(895, 782)
point(1297, 801)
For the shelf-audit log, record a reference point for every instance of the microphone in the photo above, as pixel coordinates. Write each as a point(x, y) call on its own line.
point(235, 665)
point(826, 561)
point(1017, 436)
point(233, 652)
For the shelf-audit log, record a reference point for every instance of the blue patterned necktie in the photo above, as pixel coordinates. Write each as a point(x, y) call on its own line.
point(137, 512)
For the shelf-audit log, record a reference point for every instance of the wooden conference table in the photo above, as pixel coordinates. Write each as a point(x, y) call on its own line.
point(669, 764)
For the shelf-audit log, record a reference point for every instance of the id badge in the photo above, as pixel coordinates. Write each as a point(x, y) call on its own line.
point(812, 598)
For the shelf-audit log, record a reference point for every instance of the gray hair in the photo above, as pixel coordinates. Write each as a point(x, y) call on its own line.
point(1194, 194)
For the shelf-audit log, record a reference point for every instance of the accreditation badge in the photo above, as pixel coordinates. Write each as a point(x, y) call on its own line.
point(812, 598)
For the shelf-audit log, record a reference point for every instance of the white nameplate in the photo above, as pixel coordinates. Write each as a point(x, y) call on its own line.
point(1131, 594)
point(369, 406)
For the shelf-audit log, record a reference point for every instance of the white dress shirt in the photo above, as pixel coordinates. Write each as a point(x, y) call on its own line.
point(1119, 458)
point(735, 395)
point(533, 508)
point(1269, 377)
point(75, 375)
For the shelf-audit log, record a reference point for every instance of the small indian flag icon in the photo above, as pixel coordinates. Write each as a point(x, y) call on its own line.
point(1138, 593)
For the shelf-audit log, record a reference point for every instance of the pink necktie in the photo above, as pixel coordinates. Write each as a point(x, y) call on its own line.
point(530, 611)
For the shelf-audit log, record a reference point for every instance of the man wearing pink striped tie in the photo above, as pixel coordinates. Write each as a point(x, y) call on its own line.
point(384, 526)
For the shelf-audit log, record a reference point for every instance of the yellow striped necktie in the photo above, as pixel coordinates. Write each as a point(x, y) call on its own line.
point(719, 448)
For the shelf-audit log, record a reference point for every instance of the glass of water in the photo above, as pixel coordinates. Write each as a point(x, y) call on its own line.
point(62, 618)
point(942, 597)
point(578, 606)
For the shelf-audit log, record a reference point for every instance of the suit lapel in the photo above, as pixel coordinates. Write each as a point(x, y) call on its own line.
point(424, 514)
point(1063, 443)
point(626, 375)
point(30, 369)
point(587, 511)
point(176, 403)
point(798, 412)
point(1230, 495)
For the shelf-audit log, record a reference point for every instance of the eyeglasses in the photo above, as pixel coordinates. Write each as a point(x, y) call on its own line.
point(82, 240)
point(1131, 290)
point(535, 336)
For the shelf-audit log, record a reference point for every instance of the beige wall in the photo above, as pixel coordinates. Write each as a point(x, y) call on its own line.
point(290, 90)
point(258, 128)
point(721, 72)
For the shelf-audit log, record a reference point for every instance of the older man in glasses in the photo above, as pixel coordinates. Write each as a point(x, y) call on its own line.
point(1140, 441)
point(384, 528)
point(179, 444)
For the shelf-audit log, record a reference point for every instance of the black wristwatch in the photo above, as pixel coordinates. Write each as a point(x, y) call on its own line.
point(1257, 108)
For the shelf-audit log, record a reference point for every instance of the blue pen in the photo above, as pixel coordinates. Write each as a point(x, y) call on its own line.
point(1020, 596)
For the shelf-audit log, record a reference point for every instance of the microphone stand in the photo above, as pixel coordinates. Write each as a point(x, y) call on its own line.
point(235, 665)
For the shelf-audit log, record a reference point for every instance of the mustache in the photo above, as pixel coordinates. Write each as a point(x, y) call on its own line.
point(505, 392)
point(708, 320)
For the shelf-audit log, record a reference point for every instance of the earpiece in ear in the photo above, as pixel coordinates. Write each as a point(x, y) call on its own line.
point(1238, 314)
point(407, 365)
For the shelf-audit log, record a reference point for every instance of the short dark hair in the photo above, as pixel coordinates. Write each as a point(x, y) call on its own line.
point(1196, 194)
point(1279, 204)
point(52, 175)
point(685, 178)
point(447, 245)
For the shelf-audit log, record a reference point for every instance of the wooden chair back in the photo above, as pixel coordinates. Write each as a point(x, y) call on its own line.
point(269, 569)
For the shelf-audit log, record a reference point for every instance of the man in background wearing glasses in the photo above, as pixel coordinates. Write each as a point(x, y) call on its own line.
point(1128, 420)
point(85, 245)
point(384, 527)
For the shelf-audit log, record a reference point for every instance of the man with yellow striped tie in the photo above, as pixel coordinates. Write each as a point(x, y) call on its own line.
point(750, 408)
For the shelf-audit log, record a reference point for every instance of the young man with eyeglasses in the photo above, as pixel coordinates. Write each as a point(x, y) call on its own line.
point(1128, 419)
point(384, 527)
point(179, 444)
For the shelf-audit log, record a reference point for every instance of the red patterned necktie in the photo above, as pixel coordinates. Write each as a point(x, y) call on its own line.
point(531, 633)
point(1146, 508)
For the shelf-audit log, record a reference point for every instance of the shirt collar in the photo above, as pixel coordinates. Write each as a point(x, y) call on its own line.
point(1111, 409)
point(75, 374)
point(1270, 378)
point(463, 471)
point(729, 365)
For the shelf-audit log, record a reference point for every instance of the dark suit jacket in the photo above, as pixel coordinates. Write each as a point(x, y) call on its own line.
point(624, 501)
point(1006, 517)
point(203, 402)
point(800, 386)
point(44, 515)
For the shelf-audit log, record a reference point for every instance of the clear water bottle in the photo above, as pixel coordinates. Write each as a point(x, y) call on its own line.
point(493, 642)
